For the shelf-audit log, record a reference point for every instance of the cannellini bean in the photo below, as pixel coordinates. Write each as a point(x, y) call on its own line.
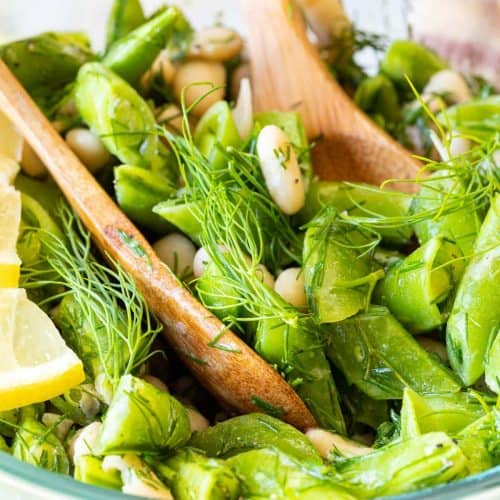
point(433, 346)
point(159, 384)
point(103, 388)
point(59, 427)
point(459, 145)
point(327, 442)
point(216, 44)
point(450, 83)
point(205, 75)
point(197, 421)
point(200, 261)
point(290, 285)
point(243, 111)
point(171, 117)
point(281, 169)
point(241, 72)
point(88, 148)
point(31, 163)
point(84, 441)
point(177, 251)
point(163, 66)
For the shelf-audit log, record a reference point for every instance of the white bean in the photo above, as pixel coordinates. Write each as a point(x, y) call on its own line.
point(103, 388)
point(31, 163)
point(243, 111)
point(281, 169)
point(206, 75)
point(216, 44)
point(197, 421)
point(88, 148)
point(459, 145)
point(241, 72)
point(84, 441)
point(171, 117)
point(290, 285)
point(177, 251)
point(159, 384)
point(451, 84)
point(327, 442)
point(200, 261)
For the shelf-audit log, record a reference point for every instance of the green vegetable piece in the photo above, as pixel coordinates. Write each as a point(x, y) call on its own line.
point(125, 16)
point(266, 473)
point(361, 200)
point(132, 55)
point(291, 123)
point(492, 363)
point(215, 131)
point(255, 431)
point(183, 215)
point(37, 445)
point(406, 58)
point(339, 274)
point(414, 288)
point(88, 469)
point(119, 116)
point(474, 318)
point(424, 461)
point(138, 191)
point(478, 456)
point(45, 193)
point(381, 358)
point(142, 419)
point(47, 63)
point(76, 404)
point(8, 422)
point(442, 203)
point(298, 352)
point(4, 446)
point(191, 475)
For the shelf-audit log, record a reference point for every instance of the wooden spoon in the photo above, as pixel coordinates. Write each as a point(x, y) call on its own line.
point(289, 75)
point(230, 369)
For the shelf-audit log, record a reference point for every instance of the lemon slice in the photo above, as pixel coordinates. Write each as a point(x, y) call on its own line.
point(36, 363)
point(11, 142)
point(10, 219)
point(8, 170)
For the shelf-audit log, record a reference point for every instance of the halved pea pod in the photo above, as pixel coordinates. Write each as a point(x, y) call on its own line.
point(88, 469)
point(125, 16)
point(184, 215)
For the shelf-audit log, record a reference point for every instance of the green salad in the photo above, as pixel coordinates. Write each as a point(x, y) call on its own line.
point(381, 308)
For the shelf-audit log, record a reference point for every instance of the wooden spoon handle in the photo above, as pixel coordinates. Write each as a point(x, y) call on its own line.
point(232, 371)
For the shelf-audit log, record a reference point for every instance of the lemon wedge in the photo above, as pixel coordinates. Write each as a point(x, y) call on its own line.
point(10, 219)
point(36, 363)
point(8, 170)
point(11, 142)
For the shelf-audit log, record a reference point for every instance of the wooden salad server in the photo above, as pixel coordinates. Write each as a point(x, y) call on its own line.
point(226, 366)
point(288, 75)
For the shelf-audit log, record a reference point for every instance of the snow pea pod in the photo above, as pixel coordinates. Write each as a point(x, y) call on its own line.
point(184, 215)
point(475, 316)
point(143, 419)
point(414, 288)
point(375, 353)
point(125, 16)
point(119, 116)
point(88, 469)
point(131, 55)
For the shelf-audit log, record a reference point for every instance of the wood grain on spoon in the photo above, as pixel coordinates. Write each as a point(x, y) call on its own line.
point(232, 371)
point(288, 75)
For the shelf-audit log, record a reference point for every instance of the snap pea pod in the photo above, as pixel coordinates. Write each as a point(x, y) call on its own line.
point(361, 200)
point(339, 274)
point(130, 56)
point(45, 193)
point(298, 352)
point(118, 114)
point(451, 213)
point(138, 190)
point(492, 363)
point(37, 445)
point(415, 288)
point(255, 431)
point(88, 469)
point(125, 16)
point(143, 419)
point(420, 462)
point(184, 215)
point(406, 58)
point(375, 353)
point(475, 316)
point(216, 131)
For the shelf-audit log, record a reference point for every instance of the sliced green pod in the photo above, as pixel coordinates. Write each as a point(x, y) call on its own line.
point(185, 216)
point(46, 193)
point(131, 55)
point(375, 353)
point(124, 17)
point(415, 288)
point(142, 419)
point(119, 116)
point(409, 59)
point(363, 200)
point(37, 445)
point(475, 317)
point(138, 190)
point(255, 431)
point(421, 462)
point(298, 352)
point(88, 469)
point(339, 274)
point(215, 131)
point(492, 364)
point(446, 211)
point(3, 445)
